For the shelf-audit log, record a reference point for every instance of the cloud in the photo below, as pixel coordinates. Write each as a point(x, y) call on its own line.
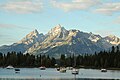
point(108, 8)
point(75, 4)
point(13, 26)
point(7, 39)
point(7, 26)
point(2, 35)
point(5, 36)
point(22, 6)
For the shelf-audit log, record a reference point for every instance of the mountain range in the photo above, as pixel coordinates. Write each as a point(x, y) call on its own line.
point(61, 41)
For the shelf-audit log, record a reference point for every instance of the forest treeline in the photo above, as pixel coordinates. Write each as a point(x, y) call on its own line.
point(103, 59)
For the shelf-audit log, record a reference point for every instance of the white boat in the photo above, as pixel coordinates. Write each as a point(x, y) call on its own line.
point(58, 69)
point(62, 70)
point(42, 68)
point(103, 70)
point(75, 71)
point(9, 67)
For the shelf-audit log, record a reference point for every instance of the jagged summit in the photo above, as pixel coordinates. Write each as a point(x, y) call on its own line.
point(112, 39)
point(94, 37)
point(32, 38)
point(33, 33)
point(111, 36)
point(57, 32)
point(57, 29)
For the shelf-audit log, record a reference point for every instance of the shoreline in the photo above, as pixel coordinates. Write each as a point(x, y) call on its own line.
point(78, 68)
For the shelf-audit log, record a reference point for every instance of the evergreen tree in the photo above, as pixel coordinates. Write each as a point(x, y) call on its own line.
point(48, 61)
point(53, 62)
point(62, 60)
point(1, 59)
point(113, 49)
point(96, 64)
point(106, 63)
point(117, 49)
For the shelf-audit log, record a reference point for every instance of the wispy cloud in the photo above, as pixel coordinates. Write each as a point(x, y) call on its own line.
point(22, 6)
point(13, 26)
point(8, 26)
point(108, 8)
point(7, 39)
point(2, 35)
point(5, 36)
point(75, 4)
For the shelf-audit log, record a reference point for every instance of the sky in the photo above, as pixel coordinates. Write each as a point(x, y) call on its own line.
point(20, 17)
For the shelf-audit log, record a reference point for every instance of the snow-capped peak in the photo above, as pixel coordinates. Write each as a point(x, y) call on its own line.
point(30, 38)
point(33, 33)
point(112, 39)
point(111, 36)
point(57, 30)
point(94, 37)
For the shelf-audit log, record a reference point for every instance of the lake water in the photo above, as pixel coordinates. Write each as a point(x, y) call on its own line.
point(53, 74)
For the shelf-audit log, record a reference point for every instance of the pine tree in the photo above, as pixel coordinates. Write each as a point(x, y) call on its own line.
point(53, 62)
point(1, 59)
point(113, 49)
point(62, 60)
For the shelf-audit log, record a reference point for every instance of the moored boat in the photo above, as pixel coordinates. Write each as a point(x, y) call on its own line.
point(62, 70)
point(58, 69)
point(103, 70)
point(17, 69)
point(75, 71)
point(42, 68)
point(9, 67)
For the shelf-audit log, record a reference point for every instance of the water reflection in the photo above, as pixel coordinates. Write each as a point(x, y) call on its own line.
point(53, 74)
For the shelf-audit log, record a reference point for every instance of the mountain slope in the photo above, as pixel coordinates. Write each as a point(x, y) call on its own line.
point(61, 41)
point(24, 44)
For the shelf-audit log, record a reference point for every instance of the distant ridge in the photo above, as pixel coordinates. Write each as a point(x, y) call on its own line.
point(61, 41)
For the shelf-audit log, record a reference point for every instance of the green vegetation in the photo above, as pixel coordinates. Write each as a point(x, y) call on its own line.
point(102, 59)
point(20, 60)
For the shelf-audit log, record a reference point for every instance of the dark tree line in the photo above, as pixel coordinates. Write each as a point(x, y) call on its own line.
point(103, 59)
point(27, 60)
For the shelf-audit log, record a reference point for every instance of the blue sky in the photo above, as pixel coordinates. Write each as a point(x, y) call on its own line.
point(19, 17)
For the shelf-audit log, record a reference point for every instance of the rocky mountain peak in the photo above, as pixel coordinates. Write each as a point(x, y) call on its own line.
point(33, 33)
point(112, 39)
point(73, 32)
point(111, 36)
point(32, 37)
point(57, 31)
point(94, 37)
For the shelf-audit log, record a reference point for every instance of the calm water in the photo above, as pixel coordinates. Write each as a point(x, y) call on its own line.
point(53, 74)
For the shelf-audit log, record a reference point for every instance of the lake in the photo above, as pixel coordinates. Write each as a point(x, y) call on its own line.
point(53, 74)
